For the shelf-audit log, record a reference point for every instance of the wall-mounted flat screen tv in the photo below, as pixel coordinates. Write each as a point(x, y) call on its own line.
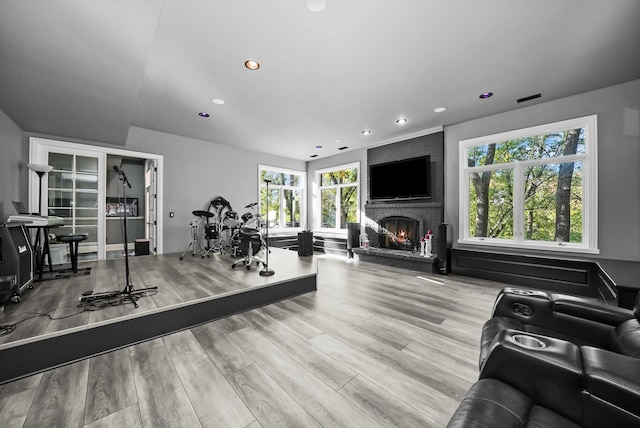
point(403, 179)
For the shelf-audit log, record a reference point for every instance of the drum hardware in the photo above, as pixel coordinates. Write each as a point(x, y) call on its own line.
point(224, 223)
point(202, 223)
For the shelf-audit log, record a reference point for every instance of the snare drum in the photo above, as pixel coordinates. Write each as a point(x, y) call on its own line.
point(230, 219)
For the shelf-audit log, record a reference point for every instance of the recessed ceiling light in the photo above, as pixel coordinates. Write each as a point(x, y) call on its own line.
point(366, 132)
point(318, 147)
point(440, 109)
point(486, 95)
point(313, 156)
point(316, 5)
point(252, 64)
point(401, 121)
point(203, 114)
point(343, 148)
point(217, 101)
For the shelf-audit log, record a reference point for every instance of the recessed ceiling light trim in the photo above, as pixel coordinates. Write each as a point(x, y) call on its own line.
point(485, 95)
point(252, 64)
point(343, 148)
point(218, 101)
point(366, 132)
point(401, 121)
point(203, 114)
point(440, 109)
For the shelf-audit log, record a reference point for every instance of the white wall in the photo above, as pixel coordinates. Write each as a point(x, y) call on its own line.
point(618, 110)
point(13, 166)
point(197, 171)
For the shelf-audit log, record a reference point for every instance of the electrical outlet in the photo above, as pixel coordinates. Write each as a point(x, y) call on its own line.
point(171, 214)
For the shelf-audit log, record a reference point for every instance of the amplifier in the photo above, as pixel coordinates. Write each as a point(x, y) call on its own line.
point(17, 256)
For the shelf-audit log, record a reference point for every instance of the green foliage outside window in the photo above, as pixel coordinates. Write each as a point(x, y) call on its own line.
point(339, 198)
point(285, 198)
point(551, 189)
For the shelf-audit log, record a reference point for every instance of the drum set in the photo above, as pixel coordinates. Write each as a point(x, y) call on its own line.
point(220, 229)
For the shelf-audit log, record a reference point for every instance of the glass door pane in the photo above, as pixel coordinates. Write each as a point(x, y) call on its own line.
point(73, 195)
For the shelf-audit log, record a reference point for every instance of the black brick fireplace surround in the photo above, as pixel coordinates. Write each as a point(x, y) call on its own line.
point(429, 213)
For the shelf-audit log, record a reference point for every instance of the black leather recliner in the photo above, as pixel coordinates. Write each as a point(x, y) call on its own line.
point(529, 380)
point(579, 320)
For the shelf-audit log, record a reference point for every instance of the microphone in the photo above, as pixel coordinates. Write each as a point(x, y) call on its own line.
point(122, 175)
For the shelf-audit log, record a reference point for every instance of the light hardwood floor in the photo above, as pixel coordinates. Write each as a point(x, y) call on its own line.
point(374, 346)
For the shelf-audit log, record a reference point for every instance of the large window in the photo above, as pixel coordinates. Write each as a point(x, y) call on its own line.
point(285, 198)
point(531, 188)
point(339, 196)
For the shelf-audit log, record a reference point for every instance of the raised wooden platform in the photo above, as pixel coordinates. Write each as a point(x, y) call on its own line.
point(190, 292)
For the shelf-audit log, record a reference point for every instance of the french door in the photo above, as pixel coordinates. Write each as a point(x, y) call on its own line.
point(151, 202)
point(76, 191)
point(73, 193)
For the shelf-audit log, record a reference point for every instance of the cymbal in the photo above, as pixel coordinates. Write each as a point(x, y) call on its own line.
point(251, 205)
point(202, 213)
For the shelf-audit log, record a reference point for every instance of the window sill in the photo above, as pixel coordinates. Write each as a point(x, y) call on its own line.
point(542, 247)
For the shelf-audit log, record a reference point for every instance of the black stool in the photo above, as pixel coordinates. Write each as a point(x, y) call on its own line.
point(73, 241)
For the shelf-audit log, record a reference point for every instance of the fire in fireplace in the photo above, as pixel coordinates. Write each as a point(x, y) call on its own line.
point(399, 233)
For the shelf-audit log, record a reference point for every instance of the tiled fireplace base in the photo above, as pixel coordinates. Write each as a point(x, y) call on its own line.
point(397, 258)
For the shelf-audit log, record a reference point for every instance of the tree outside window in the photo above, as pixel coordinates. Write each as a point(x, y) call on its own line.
point(530, 187)
point(339, 196)
point(285, 198)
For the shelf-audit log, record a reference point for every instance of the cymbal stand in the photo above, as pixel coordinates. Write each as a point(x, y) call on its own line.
point(195, 245)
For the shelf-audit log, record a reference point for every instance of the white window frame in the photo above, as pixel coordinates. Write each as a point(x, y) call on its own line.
point(318, 190)
point(303, 196)
point(589, 161)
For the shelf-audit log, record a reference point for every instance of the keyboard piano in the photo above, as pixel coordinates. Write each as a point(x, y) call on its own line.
point(34, 220)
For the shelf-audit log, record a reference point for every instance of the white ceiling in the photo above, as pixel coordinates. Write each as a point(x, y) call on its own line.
point(90, 69)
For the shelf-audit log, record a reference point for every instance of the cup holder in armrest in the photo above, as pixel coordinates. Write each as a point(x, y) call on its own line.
point(526, 341)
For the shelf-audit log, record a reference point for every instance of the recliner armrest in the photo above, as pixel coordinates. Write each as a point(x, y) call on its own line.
point(546, 369)
point(528, 306)
point(589, 309)
point(612, 383)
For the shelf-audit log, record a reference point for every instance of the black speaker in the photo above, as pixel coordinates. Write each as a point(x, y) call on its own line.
point(16, 262)
point(442, 250)
point(353, 235)
point(305, 243)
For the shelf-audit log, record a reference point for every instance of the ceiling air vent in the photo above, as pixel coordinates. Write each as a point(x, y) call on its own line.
point(529, 98)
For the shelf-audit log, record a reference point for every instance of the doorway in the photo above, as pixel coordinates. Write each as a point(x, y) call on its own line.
point(84, 189)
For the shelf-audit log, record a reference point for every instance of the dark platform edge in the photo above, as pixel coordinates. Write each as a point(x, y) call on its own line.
point(58, 349)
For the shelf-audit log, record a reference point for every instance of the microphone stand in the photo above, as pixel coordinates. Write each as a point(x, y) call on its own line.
point(128, 288)
point(128, 291)
point(266, 271)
